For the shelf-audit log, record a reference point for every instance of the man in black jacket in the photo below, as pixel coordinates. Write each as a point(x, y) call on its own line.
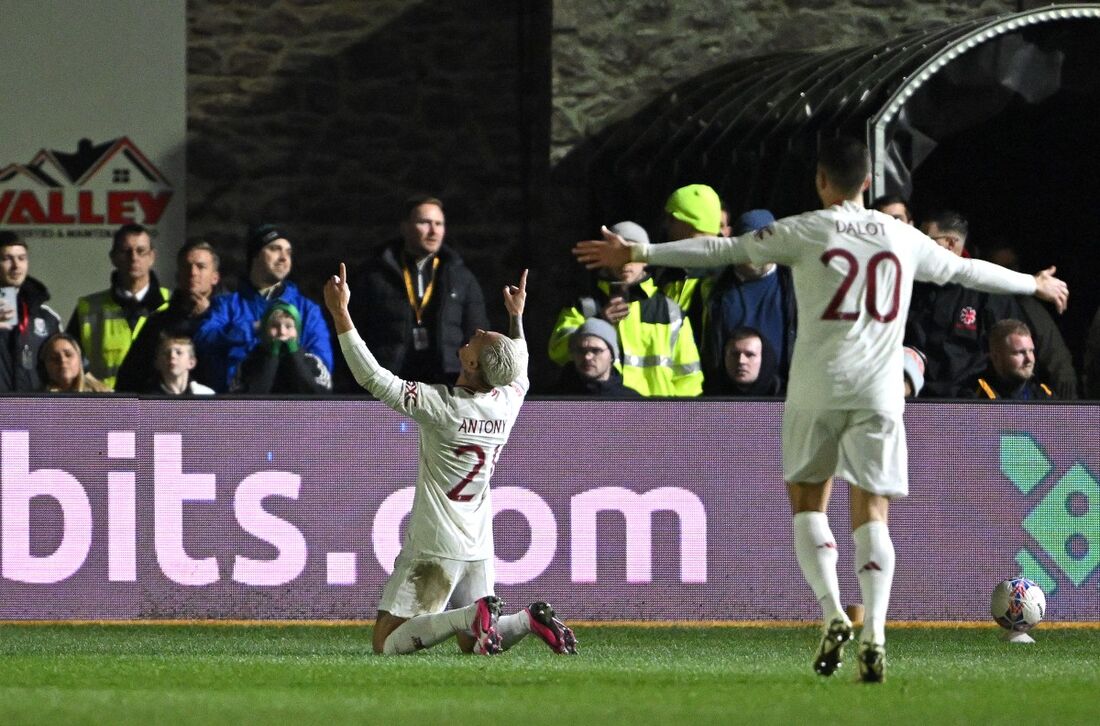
point(419, 302)
point(1011, 371)
point(951, 325)
point(25, 319)
point(198, 280)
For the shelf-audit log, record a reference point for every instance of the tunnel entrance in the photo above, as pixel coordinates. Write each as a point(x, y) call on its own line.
point(993, 117)
point(1027, 179)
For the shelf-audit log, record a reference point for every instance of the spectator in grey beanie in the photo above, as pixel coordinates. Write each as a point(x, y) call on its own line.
point(594, 349)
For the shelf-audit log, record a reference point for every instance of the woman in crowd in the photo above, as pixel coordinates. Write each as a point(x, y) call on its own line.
point(62, 367)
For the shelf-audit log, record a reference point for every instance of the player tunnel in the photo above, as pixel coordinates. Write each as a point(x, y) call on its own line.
point(994, 117)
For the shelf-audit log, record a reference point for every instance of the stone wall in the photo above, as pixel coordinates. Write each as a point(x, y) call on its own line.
point(325, 114)
point(610, 57)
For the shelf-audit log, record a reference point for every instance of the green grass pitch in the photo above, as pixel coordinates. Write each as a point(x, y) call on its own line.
point(300, 674)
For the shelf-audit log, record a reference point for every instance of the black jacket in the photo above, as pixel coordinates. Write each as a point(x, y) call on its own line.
point(19, 345)
point(950, 325)
point(381, 311)
point(992, 386)
point(572, 384)
point(138, 370)
point(285, 371)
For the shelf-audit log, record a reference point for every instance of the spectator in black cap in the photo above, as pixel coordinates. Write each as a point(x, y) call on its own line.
point(231, 328)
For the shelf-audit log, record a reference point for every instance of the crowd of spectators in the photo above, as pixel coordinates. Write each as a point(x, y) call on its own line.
point(634, 334)
point(960, 343)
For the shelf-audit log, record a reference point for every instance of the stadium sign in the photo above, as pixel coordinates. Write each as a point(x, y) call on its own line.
point(86, 193)
point(119, 507)
point(1064, 524)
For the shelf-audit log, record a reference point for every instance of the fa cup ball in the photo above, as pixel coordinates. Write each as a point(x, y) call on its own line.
point(1018, 604)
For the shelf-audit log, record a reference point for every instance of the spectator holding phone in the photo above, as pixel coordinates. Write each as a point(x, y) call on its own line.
point(26, 321)
point(657, 347)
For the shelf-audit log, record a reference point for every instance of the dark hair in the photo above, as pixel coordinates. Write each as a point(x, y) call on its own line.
point(197, 243)
point(415, 201)
point(947, 220)
point(887, 199)
point(125, 231)
point(169, 336)
point(11, 239)
point(742, 333)
point(846, 162)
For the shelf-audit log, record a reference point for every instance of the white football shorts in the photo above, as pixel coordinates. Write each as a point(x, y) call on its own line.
point(866, 448)
point(422, 584)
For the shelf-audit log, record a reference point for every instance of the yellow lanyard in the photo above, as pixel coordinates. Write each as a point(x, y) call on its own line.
point(418, 308)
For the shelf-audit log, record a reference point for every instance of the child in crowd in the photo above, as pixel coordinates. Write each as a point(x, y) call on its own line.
point(277, 364)
point(174, 362)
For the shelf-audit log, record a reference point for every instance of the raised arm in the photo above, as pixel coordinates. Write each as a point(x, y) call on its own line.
point(515, 299)
point(935, 264)
point(337, 297)
point(613, 251)
point(420, 401)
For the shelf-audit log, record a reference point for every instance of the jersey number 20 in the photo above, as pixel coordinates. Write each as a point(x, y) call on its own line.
point(833, 311)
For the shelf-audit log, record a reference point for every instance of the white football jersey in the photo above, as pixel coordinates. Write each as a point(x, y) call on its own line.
point(462, 433)
point(853, 271)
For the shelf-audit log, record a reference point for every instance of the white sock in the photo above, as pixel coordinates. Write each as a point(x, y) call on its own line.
point(875, 569)
point(424, 631)
point(815, 547)
point(513, 628)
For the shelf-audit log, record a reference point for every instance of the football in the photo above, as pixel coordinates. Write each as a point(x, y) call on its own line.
point(1018, 604)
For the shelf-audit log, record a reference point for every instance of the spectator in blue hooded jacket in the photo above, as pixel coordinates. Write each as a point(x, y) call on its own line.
point(753, 296)
point(232, 327)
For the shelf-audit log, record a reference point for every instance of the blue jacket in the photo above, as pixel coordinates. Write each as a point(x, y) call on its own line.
point(229, 331)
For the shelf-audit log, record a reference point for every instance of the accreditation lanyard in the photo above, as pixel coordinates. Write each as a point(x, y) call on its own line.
point(419, 307)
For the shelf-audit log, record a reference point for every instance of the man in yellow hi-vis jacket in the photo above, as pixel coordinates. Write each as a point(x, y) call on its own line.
point(659, 355)
point(107, 322)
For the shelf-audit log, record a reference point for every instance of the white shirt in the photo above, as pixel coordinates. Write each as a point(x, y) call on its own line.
point(462, 433)
point(853, 272)
point(193, 387)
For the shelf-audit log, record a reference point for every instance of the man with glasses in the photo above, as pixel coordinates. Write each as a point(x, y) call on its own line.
point(107, 322)
point(594, 349)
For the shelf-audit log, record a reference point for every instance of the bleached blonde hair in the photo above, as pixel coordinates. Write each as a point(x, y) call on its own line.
point(503, 360)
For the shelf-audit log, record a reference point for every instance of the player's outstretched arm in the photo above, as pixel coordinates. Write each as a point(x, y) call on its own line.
point(1051, 289)
point(612, 251)
point(515, 299)
point(337, 296)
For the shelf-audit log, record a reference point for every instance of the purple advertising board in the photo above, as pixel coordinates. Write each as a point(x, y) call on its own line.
point(120, 508)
